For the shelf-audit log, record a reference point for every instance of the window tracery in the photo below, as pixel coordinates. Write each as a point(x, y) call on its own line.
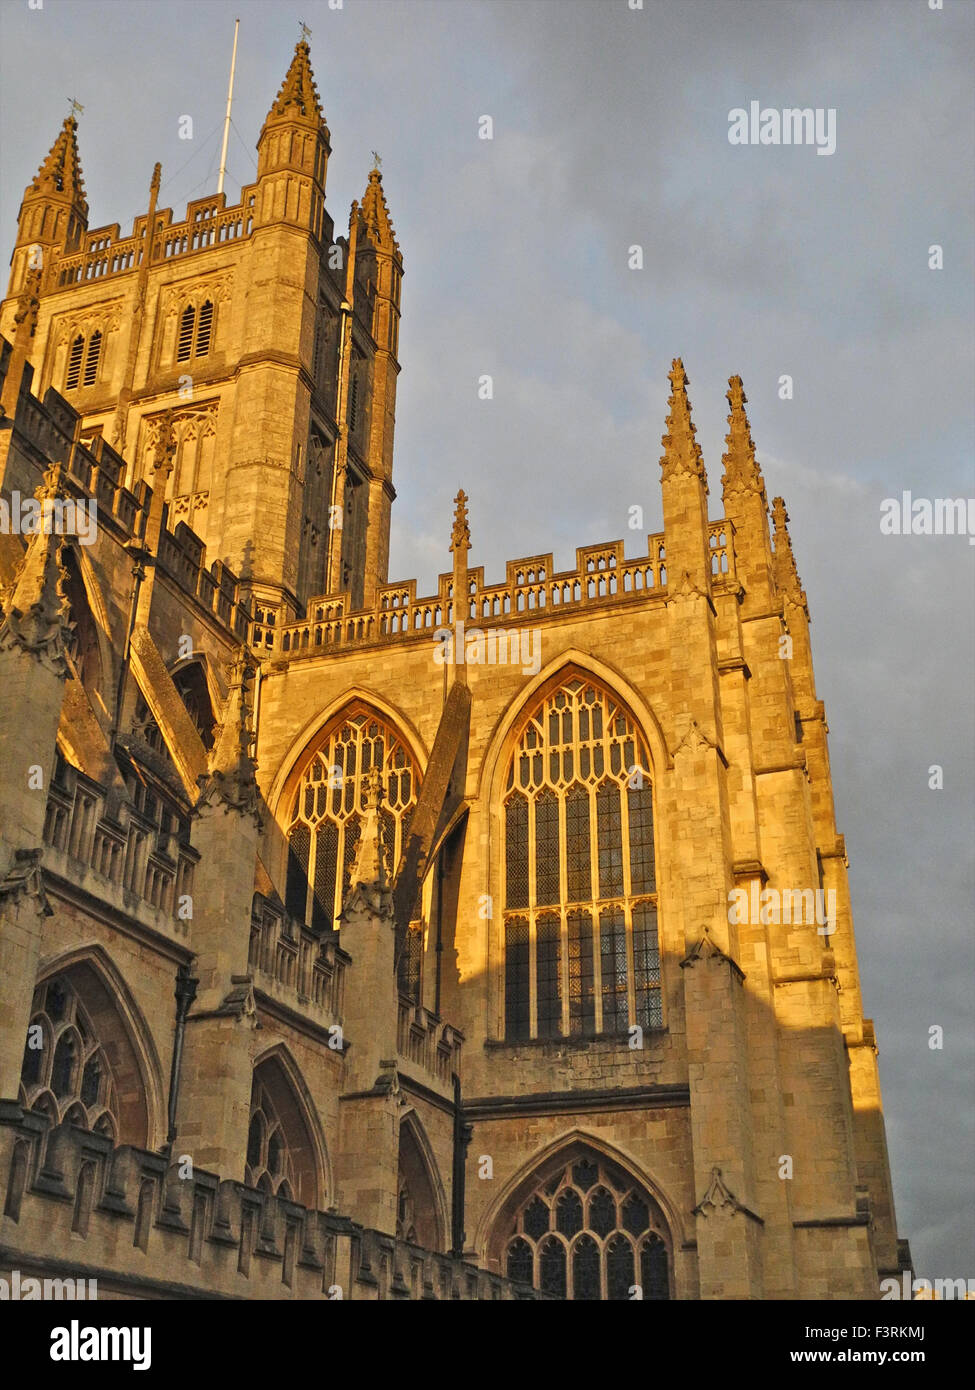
point(327, 811)
point(590, 1232)
point(580, 902)
point(67, 1076)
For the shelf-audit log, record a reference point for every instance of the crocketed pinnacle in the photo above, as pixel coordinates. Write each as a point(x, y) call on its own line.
point(741, 470)
point(786, 575)
point(375, 215)
point(369, 867)
point(231, 767)
point(37, 616)
point(460, 536)
point(61, 170)
point(298, 95)
point(682, 453)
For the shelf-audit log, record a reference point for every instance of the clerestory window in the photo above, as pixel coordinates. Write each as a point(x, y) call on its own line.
point(580, 899)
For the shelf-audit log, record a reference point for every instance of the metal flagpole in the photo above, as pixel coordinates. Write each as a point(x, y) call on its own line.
point(226, 123)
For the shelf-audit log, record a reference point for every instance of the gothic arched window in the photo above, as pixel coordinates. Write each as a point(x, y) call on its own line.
point(281, 1155)
point(580, 901)
point(269, 1165)
point(65, 1072)
point(83, 359)
point(327, 810)
point(195, 331)
point(590, 1232)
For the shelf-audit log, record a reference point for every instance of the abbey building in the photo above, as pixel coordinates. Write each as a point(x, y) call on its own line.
point(361, 943)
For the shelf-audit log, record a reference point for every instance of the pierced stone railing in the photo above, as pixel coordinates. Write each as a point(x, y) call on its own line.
point(157, 866)
point(427, 1042)
point(308, 966)
point(206, 225)
point(531, 586)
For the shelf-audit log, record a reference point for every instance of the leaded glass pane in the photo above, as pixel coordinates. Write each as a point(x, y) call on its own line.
point(551, 1263)
point(578, 854)
point(585, 1270)
point(653, 1269)
point(536, 1218)
point(610, 840)
point(602, 1211)
point(612, 950)
point(520, 1261)
point(582, 996)
point(516, 852)
point(549, 964)
point(516, 992)
point(619, 1268)
point(568, 1213)
point(547, 849)
point(641, 839)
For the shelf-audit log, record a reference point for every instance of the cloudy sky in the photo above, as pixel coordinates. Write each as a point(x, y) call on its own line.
point(611, 130)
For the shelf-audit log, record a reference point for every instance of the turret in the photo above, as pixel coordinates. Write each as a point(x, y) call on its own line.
point(54, 211)
point(293, 151)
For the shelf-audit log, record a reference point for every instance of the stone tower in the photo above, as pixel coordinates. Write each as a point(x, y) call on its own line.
point(273, 344)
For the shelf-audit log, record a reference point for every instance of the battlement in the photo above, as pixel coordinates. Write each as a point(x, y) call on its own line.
point(532, 588)
point(127, 1218)
point(208, 223)
point(52, 433)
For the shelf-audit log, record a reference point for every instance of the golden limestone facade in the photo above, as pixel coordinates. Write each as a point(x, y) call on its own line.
point(355, 943)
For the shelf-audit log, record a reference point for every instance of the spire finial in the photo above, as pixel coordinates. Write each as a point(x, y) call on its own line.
point(231, 769)
point(299, 95)
point(742, 473)
point(784, 561)
point(682, 453)
point(460, 536)
point(375, 211)
point(75, 107)
point(61, 170)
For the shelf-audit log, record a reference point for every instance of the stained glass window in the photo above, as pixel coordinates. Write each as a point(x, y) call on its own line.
point(578, 836)
point(590, 1232)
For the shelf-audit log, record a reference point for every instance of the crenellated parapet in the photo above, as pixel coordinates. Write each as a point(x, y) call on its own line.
point(142, 1224)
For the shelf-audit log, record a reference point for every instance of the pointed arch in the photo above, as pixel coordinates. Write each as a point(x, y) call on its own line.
point(596, 1204)
point(572, 855)
point(322, 722)
point(277, 1073)
point(318, 802)
point(572, 662)
point(421, 1199)
point(124, 1037)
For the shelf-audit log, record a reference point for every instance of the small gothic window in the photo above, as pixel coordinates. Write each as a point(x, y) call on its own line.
point(65, 1073)
point(91, 359)
point(203, 330)
point(184, 343)
point(269, 1164)
point(589, 1232)
point(74, 363)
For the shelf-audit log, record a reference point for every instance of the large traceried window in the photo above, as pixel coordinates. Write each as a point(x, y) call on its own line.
point(327, 812)
point(580, 902)
point(590, 1232)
